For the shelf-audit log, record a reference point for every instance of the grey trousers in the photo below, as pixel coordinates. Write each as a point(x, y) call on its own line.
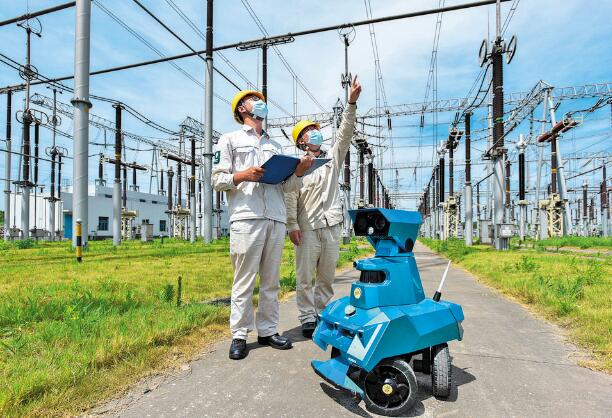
point(317, 253)
point(256, 246)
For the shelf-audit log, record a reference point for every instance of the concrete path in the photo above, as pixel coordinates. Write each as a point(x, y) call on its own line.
point(509, 364)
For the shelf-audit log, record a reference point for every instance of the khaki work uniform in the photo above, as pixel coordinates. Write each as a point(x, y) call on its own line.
point(316, 211)
point(257, 228)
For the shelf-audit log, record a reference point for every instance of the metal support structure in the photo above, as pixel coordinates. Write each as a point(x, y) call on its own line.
point(441, 193)
point(346, 186)
point(192, 191)
point(81, 105)
point(603, 197)
point(117, 179)
point(7, 167)
point(208, 122)
point(468, 227)
point(541, 218)
point(521, 145)
point(585, 223)
point(560, 172)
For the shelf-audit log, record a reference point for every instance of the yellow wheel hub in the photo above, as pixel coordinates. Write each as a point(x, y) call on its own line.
point(387, 389)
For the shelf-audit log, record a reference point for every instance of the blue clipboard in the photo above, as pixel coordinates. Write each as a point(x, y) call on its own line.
point(280, 167)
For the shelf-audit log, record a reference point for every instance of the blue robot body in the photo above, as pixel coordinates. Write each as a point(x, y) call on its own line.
point(387, 315)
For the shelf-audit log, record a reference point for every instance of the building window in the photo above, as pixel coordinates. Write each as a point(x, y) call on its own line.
point(142, 200)
point(162, 225)
point(103, 223)
point(108, 196)
point(154, 202)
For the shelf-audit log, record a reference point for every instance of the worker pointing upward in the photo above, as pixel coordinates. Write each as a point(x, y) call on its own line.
point(315, 215)
point(257, 221)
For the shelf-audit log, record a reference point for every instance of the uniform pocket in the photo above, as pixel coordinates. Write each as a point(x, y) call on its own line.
point(245, 157)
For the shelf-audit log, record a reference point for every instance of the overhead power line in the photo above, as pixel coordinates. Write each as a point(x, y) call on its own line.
point(183, 41)
point(38, 13)
point(280, 55)
point(153, 48)
point(202, 36)
point(294, 34)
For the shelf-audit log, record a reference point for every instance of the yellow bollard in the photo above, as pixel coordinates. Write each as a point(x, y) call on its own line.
point(79, 241)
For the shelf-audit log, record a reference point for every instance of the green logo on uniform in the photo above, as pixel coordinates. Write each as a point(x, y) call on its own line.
point(217, 157)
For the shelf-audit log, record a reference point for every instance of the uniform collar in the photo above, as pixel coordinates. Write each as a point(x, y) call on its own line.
point(249, 129)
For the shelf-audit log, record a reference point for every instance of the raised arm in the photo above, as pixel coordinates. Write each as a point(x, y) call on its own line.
point(345, 132)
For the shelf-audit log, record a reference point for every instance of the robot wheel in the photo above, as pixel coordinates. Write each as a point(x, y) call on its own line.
point(390, 388)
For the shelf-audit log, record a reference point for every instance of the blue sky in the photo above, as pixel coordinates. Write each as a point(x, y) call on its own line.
point(564, 43)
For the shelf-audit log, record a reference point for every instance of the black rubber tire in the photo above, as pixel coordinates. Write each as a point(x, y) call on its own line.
point(441, 371)
point(398, 404)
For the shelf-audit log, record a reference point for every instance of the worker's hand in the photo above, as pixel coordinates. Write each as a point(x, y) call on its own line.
point(355, 91)
point(250, 174)
point(296, 237)
point(305, 163)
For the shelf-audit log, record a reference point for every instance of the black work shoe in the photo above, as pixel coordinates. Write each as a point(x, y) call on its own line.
point(308, 329)
point(275, 341)
point(238, 349)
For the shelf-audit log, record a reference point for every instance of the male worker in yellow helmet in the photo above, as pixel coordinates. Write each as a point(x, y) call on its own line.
point(257, 221)
point(315, 215)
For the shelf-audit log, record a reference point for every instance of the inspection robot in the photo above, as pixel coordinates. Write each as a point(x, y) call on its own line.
point(387, 328)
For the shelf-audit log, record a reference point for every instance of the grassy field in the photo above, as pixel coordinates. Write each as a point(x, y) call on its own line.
point(569, 289)
point(72, 334)
point(594, 243)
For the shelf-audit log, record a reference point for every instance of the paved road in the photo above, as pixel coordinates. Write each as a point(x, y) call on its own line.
point(509, 364)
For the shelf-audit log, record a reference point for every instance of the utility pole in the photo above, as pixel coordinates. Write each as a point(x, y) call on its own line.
point(540, 210)
point(208, 126)
point(497, 152)
point(603, 197)
point(441, 184)
point(81, 105)
point(7, 167)
point(117, 180)
point(28, 73)
point(469, 234)
point(345, 81)
point(370, 183)
point(192, 190)
point(585, 227)
point(35, 184)
point(170, 208)
point(436, 209)
point(53, 153)
point(521, 145)
point(561, 172)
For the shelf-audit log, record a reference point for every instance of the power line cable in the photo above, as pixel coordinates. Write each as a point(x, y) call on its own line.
point(202, 36)
point(280, 55)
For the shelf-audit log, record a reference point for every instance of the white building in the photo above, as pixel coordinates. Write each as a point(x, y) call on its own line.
point(150, 208)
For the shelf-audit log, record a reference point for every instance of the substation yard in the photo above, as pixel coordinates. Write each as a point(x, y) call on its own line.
point(72, 334)
point(565, 280)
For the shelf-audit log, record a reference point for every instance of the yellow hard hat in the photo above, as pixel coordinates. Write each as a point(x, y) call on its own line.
point(300, 126)
point(241, 95)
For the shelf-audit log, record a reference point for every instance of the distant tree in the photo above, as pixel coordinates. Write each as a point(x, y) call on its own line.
point(1, 217)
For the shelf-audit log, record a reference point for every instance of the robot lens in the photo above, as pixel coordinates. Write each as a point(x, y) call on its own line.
point(361, 225)
point(380, 223)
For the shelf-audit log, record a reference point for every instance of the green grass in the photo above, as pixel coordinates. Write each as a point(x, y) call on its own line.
point(569, 242)
point(72, 334)
point(569, 289)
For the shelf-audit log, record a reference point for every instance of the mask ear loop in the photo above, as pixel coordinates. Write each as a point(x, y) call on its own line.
point(251, 114)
